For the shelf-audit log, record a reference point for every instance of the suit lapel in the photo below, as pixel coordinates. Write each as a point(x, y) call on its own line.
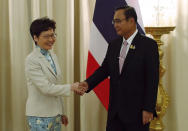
point(55, 62)
point(45, 62)
point(131, 52)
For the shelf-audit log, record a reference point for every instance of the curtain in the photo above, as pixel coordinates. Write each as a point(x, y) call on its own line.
point(16, 43)
point(5, 72)
point(176, 50)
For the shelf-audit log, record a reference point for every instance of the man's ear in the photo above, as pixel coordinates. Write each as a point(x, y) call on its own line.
point(131, 20)
point(35, 38)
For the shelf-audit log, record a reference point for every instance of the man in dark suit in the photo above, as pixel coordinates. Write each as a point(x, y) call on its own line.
point(132, 63)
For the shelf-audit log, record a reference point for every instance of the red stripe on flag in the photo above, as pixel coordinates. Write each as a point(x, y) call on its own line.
point(102, 89)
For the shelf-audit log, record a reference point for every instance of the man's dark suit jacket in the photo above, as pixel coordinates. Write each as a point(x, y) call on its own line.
point(135, 89)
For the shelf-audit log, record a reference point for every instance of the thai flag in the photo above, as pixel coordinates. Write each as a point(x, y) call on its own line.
point(102, 32)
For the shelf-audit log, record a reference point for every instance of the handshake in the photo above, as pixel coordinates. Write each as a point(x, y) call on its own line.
point(79, 87)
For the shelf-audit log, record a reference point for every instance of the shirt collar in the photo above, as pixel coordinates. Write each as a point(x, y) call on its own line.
point(43, 51)
point(130, 39)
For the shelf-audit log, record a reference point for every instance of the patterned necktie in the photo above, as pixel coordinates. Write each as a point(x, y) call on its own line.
point(122, 55)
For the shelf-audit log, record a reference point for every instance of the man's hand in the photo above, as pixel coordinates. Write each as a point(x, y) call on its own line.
point(76, 89)
point(83, 86)
point(147, 117)
point(64, 120)
point(79, 88)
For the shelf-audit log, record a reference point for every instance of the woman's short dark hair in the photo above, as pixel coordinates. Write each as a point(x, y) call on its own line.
point(129, 12)
point(40, 25)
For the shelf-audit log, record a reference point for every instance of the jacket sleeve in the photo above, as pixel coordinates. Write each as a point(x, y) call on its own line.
point(36, 76)
point(151, 76)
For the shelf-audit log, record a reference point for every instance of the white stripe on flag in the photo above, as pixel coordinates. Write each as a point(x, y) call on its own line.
point(135, 4)
point(98, 45)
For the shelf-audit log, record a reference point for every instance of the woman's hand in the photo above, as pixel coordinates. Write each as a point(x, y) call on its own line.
point(64, 120)
point(76, 89)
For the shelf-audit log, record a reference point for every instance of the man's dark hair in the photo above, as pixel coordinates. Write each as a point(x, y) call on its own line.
point(129, 12)
point(40, 25)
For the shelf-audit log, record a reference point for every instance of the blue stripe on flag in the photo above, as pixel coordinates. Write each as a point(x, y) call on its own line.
point(103, 16)
point(140, 29)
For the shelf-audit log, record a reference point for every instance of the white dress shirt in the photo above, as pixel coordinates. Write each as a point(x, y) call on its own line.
point(129, 41)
